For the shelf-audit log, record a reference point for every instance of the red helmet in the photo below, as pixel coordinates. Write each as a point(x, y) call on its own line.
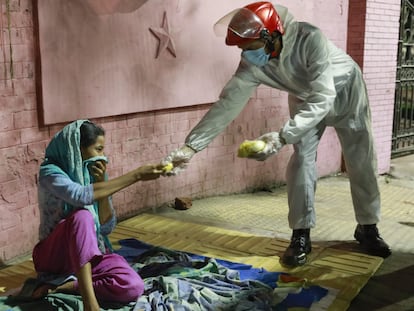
point(247, 23)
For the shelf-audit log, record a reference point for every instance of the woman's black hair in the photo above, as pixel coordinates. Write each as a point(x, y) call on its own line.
point(89, 133)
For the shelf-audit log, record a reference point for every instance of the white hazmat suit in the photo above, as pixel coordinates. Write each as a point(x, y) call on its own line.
point(325, 88)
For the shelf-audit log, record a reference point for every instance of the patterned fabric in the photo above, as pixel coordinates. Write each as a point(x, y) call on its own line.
point(63, 157)
point(182, 281)
point(176, 280)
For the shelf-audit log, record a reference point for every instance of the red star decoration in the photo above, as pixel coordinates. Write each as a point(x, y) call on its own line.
point(164, 37)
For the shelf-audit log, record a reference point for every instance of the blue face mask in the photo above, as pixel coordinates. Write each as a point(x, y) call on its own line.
point(257, 57)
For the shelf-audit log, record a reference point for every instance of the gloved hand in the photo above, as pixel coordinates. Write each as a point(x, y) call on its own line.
point(179, 158)
point(273, 144)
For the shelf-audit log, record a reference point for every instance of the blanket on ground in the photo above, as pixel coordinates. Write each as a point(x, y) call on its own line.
point(182, 281)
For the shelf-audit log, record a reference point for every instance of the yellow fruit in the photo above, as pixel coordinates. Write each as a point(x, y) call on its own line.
point(250, 147)
point(167, 168)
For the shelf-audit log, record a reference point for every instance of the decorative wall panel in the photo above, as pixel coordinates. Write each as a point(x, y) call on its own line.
point(100, 58)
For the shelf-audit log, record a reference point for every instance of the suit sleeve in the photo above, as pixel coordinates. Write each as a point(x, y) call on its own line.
point(322, 89)
point(232, 100)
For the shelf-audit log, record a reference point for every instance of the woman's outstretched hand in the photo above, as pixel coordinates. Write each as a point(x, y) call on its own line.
point(149, 172)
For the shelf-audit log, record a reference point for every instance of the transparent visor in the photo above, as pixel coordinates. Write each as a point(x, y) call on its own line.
point(242, 22)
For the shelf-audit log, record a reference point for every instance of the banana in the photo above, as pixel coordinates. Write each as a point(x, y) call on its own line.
point(168, 167)
point(250, 147)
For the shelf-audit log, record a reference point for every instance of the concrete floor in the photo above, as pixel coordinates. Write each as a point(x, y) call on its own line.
point(265, 213)
point(391, 288)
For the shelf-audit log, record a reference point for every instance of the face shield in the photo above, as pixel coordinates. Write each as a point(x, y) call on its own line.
point(242, 22)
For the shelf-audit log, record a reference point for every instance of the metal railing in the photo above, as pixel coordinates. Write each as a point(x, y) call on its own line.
point(403, 126)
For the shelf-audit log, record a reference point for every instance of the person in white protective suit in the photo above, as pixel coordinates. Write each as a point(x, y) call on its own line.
point(325, 88)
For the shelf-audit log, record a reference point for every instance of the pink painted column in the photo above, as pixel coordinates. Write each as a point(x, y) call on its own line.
point(373, 29)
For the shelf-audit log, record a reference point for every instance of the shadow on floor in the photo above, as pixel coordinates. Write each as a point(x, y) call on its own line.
point(391, 288)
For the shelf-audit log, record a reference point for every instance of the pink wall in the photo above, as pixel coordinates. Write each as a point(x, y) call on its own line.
point(137, 139)
point(373, 41)
point(380, 61)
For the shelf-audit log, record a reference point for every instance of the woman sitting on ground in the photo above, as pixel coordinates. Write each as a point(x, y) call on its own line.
point(76, 215)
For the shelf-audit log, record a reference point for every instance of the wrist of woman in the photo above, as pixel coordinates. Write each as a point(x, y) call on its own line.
point(137, 176)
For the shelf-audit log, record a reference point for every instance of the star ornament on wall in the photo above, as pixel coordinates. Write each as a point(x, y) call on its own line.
point(164, 37)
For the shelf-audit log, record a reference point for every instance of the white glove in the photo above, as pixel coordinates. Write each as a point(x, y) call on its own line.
point(179, 158)
point(273, 145)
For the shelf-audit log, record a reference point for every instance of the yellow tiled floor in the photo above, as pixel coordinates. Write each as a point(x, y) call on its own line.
point(344, 272)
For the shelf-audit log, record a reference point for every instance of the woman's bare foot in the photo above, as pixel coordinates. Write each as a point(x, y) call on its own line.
point(46, 289)
point(43, 290)
point(68, 287)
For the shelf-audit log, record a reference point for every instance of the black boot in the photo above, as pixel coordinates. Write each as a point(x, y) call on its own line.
point(300, 246)
point(370, 240)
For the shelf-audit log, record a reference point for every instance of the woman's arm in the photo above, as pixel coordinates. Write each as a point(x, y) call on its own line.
point(78, 195)
point(105, 211)
point(233, 99)
point(98, 171)
point(106, 188)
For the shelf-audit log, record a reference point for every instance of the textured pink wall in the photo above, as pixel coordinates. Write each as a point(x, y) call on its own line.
point(373, 41)
point(136, 139)
point(380, 59)
point(146, 59)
